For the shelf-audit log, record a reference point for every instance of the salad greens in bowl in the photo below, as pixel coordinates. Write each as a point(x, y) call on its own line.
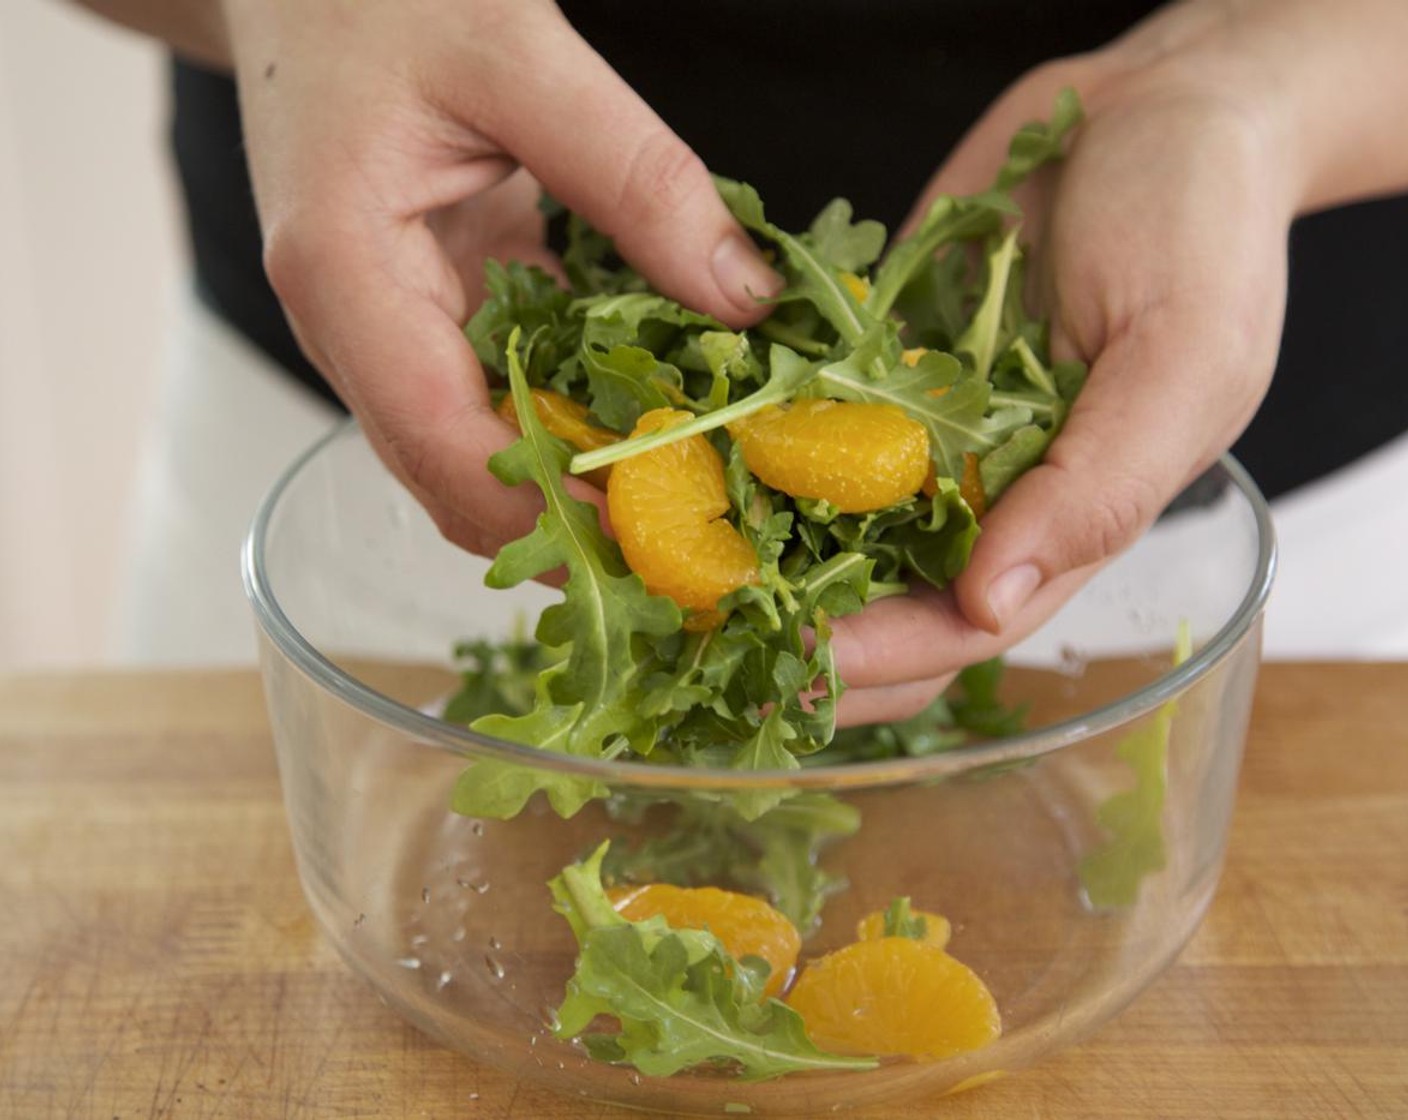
point(608, 835)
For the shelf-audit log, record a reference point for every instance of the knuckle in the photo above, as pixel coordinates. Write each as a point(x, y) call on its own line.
point(295, 253)
point(664, 175)
point(1119, 512)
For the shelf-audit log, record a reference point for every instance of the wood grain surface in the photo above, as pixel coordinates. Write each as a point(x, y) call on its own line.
point(157, 959)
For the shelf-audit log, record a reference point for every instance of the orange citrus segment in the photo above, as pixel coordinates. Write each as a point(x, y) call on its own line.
point(856, 455)
point(567, 420)
point(858, 286)
point(970, 486)
point(893, 995)
point(936, 928)
point(667, 508)
point(911, 357)
point(747, 926)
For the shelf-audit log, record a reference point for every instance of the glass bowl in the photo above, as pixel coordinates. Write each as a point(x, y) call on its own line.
point(1073, 861)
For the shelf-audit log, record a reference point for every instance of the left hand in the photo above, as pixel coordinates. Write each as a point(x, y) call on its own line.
point(1161, 261)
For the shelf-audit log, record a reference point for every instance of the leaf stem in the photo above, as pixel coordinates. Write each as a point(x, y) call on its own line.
point(980, 338)
point(781, 332)
point(1037, 374)
point(789, 374)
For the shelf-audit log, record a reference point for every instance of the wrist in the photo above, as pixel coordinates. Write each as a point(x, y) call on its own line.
point(1322, 85)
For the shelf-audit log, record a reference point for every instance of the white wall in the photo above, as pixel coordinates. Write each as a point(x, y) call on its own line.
point(90, 256)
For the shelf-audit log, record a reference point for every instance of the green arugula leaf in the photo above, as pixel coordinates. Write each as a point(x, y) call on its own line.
point(626, 381)
point(495, 678)
point(1038, 142)
point(1003, 465)
point(587, 703)
point(681, 1000)
point(604, 604)
point(972, 706)
point(766, 750)
point(901, 921)
point(787, 372)
point(776, 854)
point(977, 705)
point(949, 219)
point(812, 277)
point(979, 340)
point(849, 247)
point(1111, 874)
point(525, 298)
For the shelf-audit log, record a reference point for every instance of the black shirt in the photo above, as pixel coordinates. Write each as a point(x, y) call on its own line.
point(809, 99)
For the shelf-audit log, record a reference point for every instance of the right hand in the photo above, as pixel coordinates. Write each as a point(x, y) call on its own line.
point(394, 146)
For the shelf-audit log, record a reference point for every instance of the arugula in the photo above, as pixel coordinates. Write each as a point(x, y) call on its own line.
point(708, 841)
point(679, 999)
point(585, 703)
point(934, 325)
point(970, 708)
point(1112, 872)
point(901, 921)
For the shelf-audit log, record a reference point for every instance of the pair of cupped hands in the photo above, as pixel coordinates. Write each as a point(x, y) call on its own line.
point(395, 147)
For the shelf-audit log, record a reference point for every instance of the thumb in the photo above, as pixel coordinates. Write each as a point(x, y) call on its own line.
point(600, 150)
point(1161, 402)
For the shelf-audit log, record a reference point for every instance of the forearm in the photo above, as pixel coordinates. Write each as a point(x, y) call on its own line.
point(1328, 81)
point(193, 27)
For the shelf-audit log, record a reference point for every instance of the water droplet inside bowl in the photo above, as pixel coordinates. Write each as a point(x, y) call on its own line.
point(443, 982)
point(495, 943)
point(477, 828)
point(425, 895)
point(1073, 662)
point(496, 970)
point(458, 935)
point(409, 962)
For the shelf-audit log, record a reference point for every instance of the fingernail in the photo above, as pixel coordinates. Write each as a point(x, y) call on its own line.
point(742, 274)
point(1009, 592)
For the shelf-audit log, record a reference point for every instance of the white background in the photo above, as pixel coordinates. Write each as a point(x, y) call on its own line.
point(90, 256)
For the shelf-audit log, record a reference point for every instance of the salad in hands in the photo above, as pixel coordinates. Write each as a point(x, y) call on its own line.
point(760, 483)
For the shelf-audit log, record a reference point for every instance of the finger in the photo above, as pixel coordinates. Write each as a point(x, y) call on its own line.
point(925, 635)
point(503, 224)
point(889, 703)
point(599, 149)
point(384, 306)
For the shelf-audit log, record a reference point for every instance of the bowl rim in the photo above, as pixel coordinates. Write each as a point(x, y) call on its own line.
point(429, 730)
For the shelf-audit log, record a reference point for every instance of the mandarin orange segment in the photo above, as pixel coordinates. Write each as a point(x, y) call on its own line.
point(856, 455)
point(667, 507)
point(895, 996)
point(567, 420)
point(747, 926)
point(858, 286)
point(970, 485)
point(936, 928)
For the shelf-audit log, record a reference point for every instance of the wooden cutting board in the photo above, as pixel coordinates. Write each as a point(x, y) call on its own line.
point(157, 959)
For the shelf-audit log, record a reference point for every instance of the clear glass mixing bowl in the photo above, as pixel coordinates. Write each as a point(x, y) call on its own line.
point(1064, 913)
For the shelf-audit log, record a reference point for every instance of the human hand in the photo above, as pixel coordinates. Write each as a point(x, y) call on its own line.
point(396, 146)
point(1161, 261)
